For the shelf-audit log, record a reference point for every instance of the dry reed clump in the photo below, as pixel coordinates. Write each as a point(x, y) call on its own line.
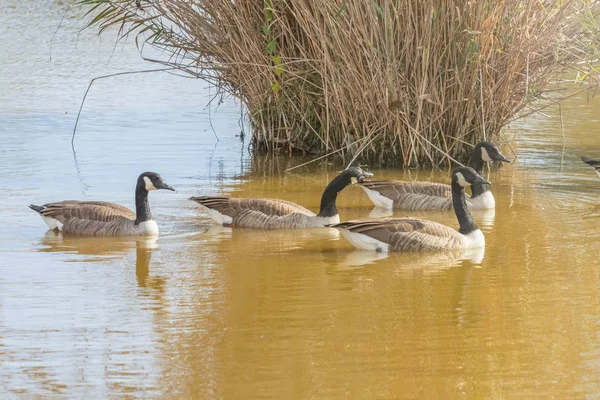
point(408, 82)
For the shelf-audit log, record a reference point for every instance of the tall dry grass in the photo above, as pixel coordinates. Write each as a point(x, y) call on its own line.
point(409, 82)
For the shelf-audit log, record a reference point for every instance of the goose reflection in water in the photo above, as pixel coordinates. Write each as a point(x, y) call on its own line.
point(273, 240)
point(427, 262)
point(99, 249)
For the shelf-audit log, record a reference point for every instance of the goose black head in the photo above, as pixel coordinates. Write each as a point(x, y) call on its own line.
point(488, 151)
point(467, 176)
point(356, 174)
point(153, 181)
point(347, 177)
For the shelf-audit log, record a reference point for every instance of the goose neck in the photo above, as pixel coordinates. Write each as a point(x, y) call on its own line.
point(329, 197)
point(465, 220)
point(476, 162)
point(142, 207)
point(479, 189)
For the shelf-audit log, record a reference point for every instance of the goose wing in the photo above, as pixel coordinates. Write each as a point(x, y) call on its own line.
point(257, 212)
point(393, 189)
point(406, 234)
point(413, 195)
point(100, 211)
point(593, 163)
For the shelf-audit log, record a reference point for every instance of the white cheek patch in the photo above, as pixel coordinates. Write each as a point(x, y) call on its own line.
point(353, 180)
point(484, 155)
point(149, 185)
point(461, 179)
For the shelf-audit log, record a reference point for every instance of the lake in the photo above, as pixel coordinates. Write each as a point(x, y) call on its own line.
point(210, 312)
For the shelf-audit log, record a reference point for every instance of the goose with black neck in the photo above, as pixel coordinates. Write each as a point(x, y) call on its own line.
point(481, 196)
point(268, 213)
point(101, 218)
point(423, 196)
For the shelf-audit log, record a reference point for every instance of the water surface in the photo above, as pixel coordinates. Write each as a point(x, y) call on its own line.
point(209, 312)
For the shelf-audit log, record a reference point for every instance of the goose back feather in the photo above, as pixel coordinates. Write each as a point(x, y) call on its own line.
point(102, 211)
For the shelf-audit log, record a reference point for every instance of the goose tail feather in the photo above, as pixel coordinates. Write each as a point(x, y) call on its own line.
point(590, 161)
point(36, 208)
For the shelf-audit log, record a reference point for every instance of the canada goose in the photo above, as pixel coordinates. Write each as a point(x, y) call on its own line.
point(593, 163)
point(101, 218)
point(415, 196)
point(275, 213)
point(409, 234)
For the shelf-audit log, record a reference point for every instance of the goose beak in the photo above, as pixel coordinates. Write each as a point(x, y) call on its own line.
point(364, 175)
point(480, 179)
point(501, 157)
point(163, 185)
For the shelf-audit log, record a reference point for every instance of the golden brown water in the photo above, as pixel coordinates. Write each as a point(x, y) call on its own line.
point(206, 312)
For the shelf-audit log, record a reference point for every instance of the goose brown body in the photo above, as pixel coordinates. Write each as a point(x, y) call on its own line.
point(263, 213)
point(96, 218)
point(413, 195)
point(406, 234)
